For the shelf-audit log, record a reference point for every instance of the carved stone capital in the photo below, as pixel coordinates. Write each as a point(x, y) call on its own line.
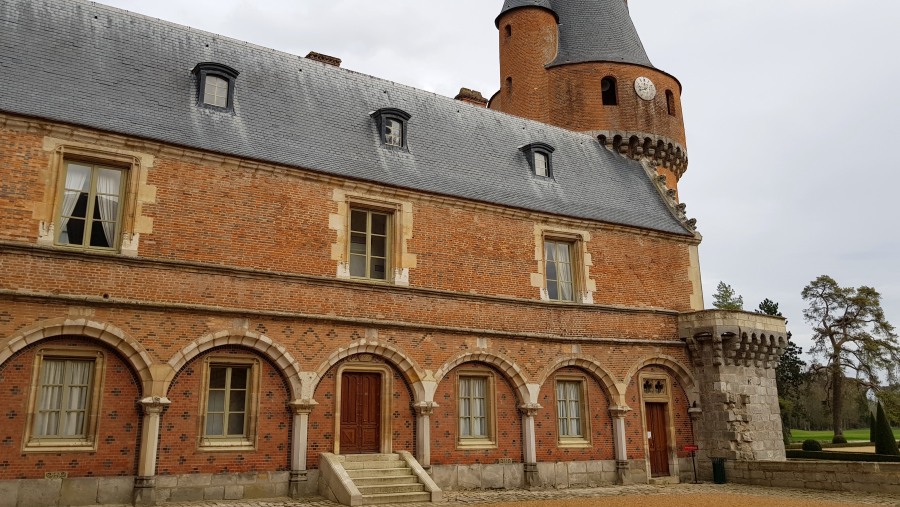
point(530, 409)
point(425, 408)
point(303, 406)
point(154, 404)
point(618, 412)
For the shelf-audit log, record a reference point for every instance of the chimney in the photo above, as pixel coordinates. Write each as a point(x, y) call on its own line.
point(472, 97)
point(328, 60)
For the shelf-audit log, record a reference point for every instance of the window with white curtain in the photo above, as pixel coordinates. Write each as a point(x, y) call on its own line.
point(63, 399)
point(90, 206)
point(230, 402)
point(569, 408)
point(558, 270)
point(475, 404)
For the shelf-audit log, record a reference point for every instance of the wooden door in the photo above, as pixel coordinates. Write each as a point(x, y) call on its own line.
point(360, 413)
point(657, 439)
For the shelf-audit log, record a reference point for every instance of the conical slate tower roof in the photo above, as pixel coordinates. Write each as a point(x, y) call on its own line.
point(591, 31)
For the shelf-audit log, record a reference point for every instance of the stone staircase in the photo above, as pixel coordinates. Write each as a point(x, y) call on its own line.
point(372, 479)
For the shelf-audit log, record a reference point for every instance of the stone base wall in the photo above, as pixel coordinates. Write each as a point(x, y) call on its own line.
point(828, 475)
point(550, 475)
point(193, 487)
point(74, 491)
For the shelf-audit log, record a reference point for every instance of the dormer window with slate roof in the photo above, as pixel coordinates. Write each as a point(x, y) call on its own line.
point(215, 85)
point(392, 126)
point(540, 158)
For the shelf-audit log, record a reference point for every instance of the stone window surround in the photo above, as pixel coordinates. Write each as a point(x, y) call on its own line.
point(56, 444)
point(585, 439)
point(490, 442)
point(136, 194)
point(400, 228)
point(366, 364)
point(229, 444)
point(583, 286)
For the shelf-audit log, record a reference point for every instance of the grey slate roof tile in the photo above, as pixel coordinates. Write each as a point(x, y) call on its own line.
point(131, 74)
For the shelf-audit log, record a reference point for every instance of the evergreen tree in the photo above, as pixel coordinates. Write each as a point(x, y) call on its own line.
point(884, 436)
point(726, 299)
point(871, 427)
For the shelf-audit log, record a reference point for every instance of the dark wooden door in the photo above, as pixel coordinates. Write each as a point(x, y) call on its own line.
point(360, 413)
point(657, 439)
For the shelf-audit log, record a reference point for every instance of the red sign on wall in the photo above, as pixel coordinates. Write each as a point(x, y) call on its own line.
point(691, 448)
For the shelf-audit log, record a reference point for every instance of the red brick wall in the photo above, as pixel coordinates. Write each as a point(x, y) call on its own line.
point(180, 425)
point(322, 418)
point(119, 426)
point(597, 408)
point(445, 422)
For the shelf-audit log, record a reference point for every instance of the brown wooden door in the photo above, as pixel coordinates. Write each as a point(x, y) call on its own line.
point(657, 439)
point(360, 413)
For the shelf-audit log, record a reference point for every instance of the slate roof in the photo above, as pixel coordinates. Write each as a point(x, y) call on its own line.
point(83, 63)
point(592, 31)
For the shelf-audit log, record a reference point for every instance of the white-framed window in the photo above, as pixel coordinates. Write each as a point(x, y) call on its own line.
point(230, 402)
point(370, 244)
point(65, 401)
point(568, 408)
point(558, 270)
point(476, 421)
point(215, 91)
point(90, 207)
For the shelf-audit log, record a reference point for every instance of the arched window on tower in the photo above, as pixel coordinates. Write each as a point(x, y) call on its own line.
point(509, 86)
point(609, 93)
point(508, 30)
point(670, 102)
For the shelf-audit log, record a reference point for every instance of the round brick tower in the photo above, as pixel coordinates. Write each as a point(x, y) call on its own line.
point(580, 65)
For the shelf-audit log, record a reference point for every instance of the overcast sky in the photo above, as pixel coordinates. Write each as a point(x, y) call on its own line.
point(791, 110)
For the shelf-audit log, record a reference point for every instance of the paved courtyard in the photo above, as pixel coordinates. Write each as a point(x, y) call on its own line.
point(681, 495)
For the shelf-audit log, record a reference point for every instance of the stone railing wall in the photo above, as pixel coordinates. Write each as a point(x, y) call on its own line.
point(881, 478)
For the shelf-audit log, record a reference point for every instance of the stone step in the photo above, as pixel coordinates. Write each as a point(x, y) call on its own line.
point(371, 457)
point(381, 472)
point(390, 488)
point(371, 465)
point(396, 498)
point(383, 481)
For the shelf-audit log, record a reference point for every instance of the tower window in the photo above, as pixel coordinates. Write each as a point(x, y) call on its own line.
point(670, 102)
point(509, 86)
point(508, 30)
point(609, 93)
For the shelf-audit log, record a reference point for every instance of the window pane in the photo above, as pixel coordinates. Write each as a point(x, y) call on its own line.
point(379, 246)
point(358, 221)
point(551, 272)
point(393, 132)
point(378, 269)
point(550, 251)
point(215, 424)
point(217, 377)
point(78, 177)
point(379, 224)
point(239, 378)
point(357, 265)
point(238, 401)
point(236, 424)
point(216, 401)
point(540, 164)
point(565, 292)
point(563, 252)
point(358, 243)
point(552, 291)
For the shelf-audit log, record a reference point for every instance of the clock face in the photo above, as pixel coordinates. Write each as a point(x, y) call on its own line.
point(645, 88)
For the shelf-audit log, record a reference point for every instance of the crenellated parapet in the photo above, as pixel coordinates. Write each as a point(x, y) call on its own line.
point(733, 338)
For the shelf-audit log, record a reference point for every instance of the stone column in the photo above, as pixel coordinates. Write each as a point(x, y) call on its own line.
point(529, 445)
point(300, 442)
point(145, 482)
point(620, 442)
point(424, 410)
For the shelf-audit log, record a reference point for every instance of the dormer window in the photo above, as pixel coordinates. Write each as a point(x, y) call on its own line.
point(392, 127)
point(215, 85)
point(539, 157)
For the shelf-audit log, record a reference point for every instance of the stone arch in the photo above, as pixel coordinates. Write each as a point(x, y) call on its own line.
point(507, 367)
point(615, 391)
point(684, 376)
point(261, 343)
point(407, 366)
point(129, 348)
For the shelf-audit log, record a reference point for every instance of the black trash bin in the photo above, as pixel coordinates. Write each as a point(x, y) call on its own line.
point(718, 465)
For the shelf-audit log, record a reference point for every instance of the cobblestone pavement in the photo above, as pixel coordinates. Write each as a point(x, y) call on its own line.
point(622, 492)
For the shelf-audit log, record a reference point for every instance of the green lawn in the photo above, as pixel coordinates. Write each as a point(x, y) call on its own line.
point(825, 436)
